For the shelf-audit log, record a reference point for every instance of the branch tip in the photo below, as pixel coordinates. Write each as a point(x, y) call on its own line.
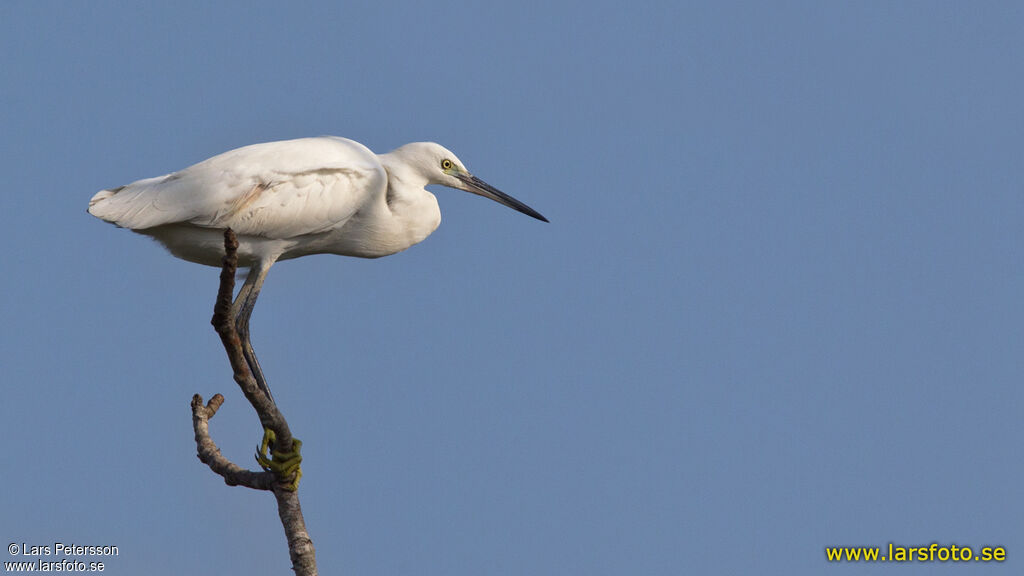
point(214, 404)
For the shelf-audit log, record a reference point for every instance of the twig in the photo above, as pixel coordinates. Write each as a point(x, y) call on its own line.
point(209, 454)
point(300, 547)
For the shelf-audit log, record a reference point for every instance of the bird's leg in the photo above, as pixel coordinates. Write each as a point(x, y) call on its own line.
point(242, 310)
point(285, 465)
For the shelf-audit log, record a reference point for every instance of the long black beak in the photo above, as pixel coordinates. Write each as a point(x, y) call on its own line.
point(481, 188)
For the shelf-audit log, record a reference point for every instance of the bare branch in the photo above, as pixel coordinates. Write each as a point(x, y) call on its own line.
point(209, 454)
point(300, 546)
point(224, 323)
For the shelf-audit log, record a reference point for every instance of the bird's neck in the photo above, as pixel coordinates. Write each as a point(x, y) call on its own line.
point(401, 175)
point(414, 211)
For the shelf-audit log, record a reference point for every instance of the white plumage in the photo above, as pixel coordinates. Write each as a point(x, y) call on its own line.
point(293, 198)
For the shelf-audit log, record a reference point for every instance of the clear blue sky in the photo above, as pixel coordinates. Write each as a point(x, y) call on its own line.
point(778, 306)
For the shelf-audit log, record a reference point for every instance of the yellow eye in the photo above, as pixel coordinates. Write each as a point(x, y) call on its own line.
point(446, 164)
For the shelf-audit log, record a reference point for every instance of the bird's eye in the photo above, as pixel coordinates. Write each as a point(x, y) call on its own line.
point(446, 164)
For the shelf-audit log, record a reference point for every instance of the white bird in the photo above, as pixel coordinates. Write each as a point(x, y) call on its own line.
point(290, 199)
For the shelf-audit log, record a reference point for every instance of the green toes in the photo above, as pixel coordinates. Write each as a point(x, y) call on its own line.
point(284, 465)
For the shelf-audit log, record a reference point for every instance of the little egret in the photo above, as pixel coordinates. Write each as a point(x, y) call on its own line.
point(288, 199)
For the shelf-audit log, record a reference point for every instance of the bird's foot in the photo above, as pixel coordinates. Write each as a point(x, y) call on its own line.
point(284, 465)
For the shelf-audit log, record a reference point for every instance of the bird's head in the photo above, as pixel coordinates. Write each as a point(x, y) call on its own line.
point(439, 166)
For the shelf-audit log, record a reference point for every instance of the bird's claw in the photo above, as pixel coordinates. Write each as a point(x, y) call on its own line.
point(285, 465)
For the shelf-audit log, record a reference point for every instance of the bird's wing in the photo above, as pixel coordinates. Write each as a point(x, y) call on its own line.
point(272, 190)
